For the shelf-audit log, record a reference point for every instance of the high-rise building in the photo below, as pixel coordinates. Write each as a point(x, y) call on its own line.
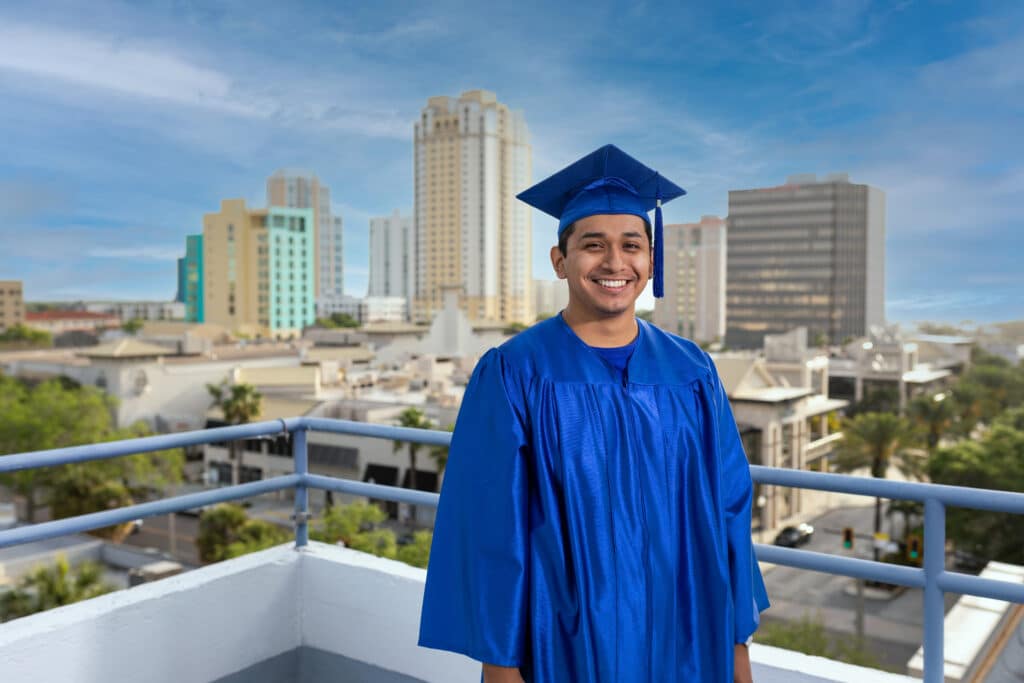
point(550, 296)
point(258, 269)
point(810, 253)
point(303, 190)
point(12, 304)
point(194, 278)
point(694, 302)
point(472, 155)
point(392, 257)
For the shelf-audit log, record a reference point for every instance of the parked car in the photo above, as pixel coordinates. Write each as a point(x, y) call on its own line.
point(792, 536)
point(968, 561)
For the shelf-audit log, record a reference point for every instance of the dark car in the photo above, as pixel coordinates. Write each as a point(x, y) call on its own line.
point(792, 536)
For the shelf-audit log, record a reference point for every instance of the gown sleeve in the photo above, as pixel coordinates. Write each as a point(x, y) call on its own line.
point(474, 602)
point(748, 591)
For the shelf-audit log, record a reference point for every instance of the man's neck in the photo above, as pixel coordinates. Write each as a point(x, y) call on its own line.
point(601, 332)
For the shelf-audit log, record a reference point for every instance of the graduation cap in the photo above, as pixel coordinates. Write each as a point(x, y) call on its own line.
point(607, 181)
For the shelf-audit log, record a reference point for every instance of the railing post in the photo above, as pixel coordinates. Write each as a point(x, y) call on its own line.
point(300, 454)
point(934, 612)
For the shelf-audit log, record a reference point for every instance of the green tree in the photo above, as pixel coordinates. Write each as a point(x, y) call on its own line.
point(514, 328)
point(417, 551)
point(54, 415)
point(994, 462)
point(414, 418)
point(82, 488)
point(240, 404)
point(226, 531)
point(21, 335)
point(968, 399)
point(933, 415)
point(819, 340)
point(990, 386)
point(877, 400)
point(132, 326)
point(876, 441)
point(343, 320)
point(49, 587)
point(357, 526)
point(808, 635)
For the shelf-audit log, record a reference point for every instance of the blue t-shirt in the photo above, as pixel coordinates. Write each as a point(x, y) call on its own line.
point(617, 356)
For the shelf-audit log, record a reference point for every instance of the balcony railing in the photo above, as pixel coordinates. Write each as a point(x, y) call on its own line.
point(933, 578)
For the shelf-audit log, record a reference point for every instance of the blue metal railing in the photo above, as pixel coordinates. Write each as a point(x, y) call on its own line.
point(933, 578)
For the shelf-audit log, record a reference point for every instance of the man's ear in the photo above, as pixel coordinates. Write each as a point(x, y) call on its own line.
point(558, 262)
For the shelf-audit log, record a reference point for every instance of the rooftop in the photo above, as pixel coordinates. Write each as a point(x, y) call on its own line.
point(356, 615)
point(296, 610)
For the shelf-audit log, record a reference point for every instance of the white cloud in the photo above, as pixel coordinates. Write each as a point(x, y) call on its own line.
point(116, 65)
point(280, 96)
point(141, 252)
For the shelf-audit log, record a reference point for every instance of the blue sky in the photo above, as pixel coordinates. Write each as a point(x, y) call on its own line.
point(121, 124)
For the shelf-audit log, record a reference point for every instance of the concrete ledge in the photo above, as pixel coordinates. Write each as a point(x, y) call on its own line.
point(775, 665)
point(216, 621)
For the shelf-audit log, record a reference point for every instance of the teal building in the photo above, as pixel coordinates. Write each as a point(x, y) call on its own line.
point(287, 268)
point(193, 278)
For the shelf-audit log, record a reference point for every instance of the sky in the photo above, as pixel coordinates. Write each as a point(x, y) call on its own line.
point(122, 124)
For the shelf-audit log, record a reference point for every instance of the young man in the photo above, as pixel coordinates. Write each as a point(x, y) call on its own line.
point(594, 523)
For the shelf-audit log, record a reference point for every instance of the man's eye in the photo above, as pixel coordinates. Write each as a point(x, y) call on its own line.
point(632, 245)
point(591, 245)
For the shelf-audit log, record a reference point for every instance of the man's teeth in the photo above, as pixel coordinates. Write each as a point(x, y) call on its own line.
point(612, 283)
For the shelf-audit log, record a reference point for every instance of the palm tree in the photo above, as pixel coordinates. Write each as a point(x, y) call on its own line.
point(414, 418)
point(934, 415)
point(439, 454)
point(240, 403)
point(876, 441)
point(49, 587)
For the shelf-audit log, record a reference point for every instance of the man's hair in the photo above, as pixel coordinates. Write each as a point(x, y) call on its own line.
point(563, 239)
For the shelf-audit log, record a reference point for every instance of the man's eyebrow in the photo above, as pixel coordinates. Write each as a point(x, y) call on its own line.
point(631, 234)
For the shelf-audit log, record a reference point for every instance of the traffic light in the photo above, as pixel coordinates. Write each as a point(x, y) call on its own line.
point(848, 538)
point(914, 548)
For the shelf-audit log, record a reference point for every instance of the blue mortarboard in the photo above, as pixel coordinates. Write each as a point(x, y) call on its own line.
point(607, 181)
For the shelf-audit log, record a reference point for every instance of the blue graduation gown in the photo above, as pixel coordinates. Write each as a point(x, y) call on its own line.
point(594, 526)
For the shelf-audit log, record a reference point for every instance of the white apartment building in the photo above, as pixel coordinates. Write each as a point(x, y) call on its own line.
point(392, 257)
point(367, 310)
point(550, 296)
point(139, 310)
point(695, 260)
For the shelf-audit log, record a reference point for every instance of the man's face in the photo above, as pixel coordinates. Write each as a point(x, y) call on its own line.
point(607, 264)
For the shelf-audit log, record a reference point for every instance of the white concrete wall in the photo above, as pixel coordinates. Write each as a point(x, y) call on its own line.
point(215, 621)
point(190, 628)
point(372, 613)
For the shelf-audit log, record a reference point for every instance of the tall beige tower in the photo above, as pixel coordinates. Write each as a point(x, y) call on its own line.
point(258, 269)
point(695, 263)
point(472, 155)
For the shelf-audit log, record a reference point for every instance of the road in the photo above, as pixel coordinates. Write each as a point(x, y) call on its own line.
point(894, 627)
point(155, 533)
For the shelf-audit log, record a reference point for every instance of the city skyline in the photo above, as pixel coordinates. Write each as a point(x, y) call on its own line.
point(124, 125)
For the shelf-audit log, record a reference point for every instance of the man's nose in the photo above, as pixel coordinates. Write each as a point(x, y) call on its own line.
point(613, 259)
